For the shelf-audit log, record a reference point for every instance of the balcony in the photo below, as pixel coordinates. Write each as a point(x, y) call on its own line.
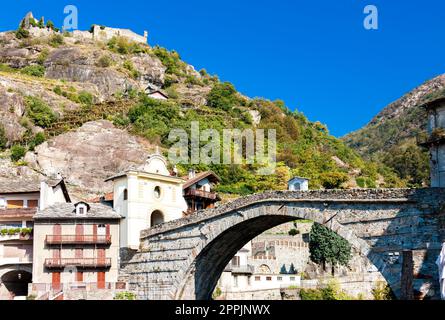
point(57, 263)
point(201, 194)
point(78, 239)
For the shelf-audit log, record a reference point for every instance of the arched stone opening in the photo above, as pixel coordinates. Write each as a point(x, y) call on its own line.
point(157, 217)
point(217, 253)
point(16, 282)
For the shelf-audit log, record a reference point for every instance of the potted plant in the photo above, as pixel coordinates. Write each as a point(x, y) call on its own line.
point(25, 233)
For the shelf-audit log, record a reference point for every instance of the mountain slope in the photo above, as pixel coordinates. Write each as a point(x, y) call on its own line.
point(391, 136)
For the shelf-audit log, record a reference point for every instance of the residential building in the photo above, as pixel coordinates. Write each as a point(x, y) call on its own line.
point(199, 190)
point(19, 201)
point(76, 248)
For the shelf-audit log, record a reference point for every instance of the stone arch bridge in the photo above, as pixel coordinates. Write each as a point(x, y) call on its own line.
point(183, 259)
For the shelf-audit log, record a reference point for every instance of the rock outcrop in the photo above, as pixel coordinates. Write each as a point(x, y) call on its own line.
point(87, 156)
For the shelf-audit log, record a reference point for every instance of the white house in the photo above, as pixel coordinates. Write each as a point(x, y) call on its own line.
point(298, 184)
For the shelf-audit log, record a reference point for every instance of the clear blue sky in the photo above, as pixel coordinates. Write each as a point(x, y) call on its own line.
point(313, 54)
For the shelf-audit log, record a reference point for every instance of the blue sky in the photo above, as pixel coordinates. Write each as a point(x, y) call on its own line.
point(315, 55)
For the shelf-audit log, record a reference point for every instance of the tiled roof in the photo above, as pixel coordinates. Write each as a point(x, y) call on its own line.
point(67, 211)
point(17, 213)
point(24, 185)
point(199, 177)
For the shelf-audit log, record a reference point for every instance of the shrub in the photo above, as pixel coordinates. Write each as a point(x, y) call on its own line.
point(58, 90)
point(293, 232)
point(22, 33)
point(125, 296)
point(5, 68)
point(31, 297)
point(217, 293)
point(382, 291)
point(130, 67)
point(35, 71)
point(86, 98)
point(3, 138)
point(38, 139)
point(42, 56)
point(171, 60)
point(56, 40)
point(17, 152)
point(104, 61)
point(331, 292)
point(39, 112)
point(4, 232)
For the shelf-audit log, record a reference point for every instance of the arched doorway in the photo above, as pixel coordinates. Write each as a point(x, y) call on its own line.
point(16, 282)
point(157, 217)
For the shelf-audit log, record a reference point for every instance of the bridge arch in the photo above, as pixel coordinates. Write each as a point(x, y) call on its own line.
point(217, 251)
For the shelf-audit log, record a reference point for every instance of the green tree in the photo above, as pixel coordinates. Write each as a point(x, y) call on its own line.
point(325, 246)
point(333, 180)
point(283, 269)
point(22, 33)
point(223, 96)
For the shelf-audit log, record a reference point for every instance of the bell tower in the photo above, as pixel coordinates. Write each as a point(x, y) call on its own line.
point(435, 141)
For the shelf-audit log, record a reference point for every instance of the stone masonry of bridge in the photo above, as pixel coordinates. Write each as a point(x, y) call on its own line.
point(183, 259)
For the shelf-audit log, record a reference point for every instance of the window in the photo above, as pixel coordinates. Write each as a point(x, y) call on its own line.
point(125, 194)
point(235, 281)
point(257, 278)
point(2, 202)
point(279, 278)
point(81, 208)
point(33, 203)
point(268, 278)
point(157, 192)
point(292, 278)
point(12, 204)
point(101, 230)
point(235, 261)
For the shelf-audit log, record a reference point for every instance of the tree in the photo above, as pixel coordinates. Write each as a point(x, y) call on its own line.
point(222, 96)
point(50, 25)
point(325, 246)
point(292, 269)
point(41, 23)
point(333, 180)
point(283, 269)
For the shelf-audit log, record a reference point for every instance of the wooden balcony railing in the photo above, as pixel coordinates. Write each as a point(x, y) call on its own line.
point(201, 194)
point(78, 262)
point(78, 239)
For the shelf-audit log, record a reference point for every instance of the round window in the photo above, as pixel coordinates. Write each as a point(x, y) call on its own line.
point(157, 192)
